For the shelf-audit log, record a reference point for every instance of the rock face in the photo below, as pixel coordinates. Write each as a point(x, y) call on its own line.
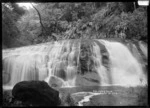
point(36, 93)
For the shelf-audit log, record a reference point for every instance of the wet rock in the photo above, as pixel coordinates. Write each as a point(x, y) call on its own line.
point(67, 100)
point(85, 57)
point(60, 70)
point(36, 93)
point(61, 73)
point(6, 78)
point(55, 81)
point(88, 79)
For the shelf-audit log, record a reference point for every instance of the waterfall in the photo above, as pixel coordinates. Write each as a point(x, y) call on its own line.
point(124, 68)
point(115, 63)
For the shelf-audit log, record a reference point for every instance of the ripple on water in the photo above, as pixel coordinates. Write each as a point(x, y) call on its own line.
point(88, 95)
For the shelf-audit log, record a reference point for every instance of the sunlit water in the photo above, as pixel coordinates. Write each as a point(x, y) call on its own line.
point(60, 61)
point(88, 95)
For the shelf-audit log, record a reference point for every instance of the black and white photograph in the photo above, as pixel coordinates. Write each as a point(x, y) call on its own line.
point(74, 53)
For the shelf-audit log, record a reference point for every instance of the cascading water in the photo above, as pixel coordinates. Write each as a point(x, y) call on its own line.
point(62, 61)
point(124, 68)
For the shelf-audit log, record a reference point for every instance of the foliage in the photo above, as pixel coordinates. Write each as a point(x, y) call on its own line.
point(86, 20)
point(10, 32)
point(29, 27)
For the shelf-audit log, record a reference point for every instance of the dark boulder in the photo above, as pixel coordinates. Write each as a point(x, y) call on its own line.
point(36, 93)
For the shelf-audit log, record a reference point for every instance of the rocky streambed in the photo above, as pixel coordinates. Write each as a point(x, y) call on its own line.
point(91, 95)
point(105, 96)
point(94, 96)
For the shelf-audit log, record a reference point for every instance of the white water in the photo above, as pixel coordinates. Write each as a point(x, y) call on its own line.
point(42, 62)
point(88, 95)
point(60, 60)
point(125, 69)
point(102, 71)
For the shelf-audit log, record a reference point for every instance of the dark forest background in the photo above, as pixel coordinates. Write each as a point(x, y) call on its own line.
point(56, 21)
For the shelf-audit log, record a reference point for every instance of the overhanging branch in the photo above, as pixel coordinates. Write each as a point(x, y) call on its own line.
point(43, 28)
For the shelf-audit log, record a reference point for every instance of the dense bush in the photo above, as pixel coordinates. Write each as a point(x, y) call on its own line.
point(10, 32)
point(73, 21)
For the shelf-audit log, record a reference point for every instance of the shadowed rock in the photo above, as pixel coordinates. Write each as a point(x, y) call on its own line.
point(36, 93)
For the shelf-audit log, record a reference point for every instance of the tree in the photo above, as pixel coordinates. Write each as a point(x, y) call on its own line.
point(43, 28)
point(57, 21)
point(10, 14)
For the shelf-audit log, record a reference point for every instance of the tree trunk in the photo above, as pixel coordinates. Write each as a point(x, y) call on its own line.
point(43, 28)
